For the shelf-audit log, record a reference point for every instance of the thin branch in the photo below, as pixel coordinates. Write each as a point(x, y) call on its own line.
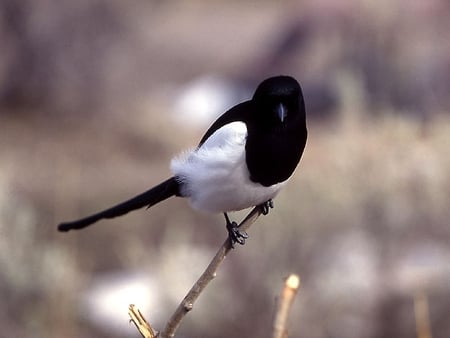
point(291, 285)
point(188, 302)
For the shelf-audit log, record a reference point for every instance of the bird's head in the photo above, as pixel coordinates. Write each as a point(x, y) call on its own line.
point(279, 99)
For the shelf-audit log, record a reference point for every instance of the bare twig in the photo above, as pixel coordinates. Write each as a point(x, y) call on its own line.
point(188, 302)
point(291, 285)
point(141, 324)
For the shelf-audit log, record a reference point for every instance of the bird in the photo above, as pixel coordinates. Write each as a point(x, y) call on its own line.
point(243, 160)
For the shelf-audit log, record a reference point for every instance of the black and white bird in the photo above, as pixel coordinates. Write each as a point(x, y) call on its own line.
point(244, 159)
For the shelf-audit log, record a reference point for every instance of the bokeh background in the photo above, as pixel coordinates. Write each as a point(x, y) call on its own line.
point(96, 97)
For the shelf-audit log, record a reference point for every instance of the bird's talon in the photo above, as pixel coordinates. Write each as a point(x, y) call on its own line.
point(235, 235)
point(266, 206)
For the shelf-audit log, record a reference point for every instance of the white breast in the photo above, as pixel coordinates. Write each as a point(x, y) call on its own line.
point(215, 176)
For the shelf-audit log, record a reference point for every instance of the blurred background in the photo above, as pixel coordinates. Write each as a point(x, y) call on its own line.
point(96, 97)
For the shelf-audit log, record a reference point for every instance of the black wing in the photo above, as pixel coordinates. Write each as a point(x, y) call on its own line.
point(239, 112)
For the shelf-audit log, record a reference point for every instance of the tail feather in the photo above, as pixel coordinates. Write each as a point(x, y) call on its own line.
point(149, 198)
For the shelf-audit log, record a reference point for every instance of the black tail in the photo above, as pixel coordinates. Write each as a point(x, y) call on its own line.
point(155, 195)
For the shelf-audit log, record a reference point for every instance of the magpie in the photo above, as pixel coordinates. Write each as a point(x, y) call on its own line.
point(243, 160)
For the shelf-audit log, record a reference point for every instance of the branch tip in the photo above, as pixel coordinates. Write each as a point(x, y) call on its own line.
point(293, 282)
point(140, 322)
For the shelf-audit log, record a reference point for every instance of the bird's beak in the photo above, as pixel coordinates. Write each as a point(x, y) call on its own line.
point(281, 112)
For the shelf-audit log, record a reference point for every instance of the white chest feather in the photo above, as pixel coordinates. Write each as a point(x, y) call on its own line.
point(215, 176)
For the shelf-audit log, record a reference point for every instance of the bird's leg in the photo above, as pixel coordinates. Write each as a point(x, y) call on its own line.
point(266, 206)
point(234, 234)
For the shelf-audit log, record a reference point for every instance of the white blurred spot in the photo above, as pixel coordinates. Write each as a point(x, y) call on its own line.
point(203, 99)
point(106, 302)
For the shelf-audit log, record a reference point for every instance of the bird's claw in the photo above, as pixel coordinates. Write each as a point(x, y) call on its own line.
point(266, 206)
point(235, 235)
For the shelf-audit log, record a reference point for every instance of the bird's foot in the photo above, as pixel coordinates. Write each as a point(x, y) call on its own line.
point(234, 234)
point(266, 206)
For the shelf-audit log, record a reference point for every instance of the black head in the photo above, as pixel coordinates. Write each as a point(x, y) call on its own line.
point(279, 99)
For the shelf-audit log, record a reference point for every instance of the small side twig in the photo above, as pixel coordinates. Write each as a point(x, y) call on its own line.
point(284, 303)
point(141, 324)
